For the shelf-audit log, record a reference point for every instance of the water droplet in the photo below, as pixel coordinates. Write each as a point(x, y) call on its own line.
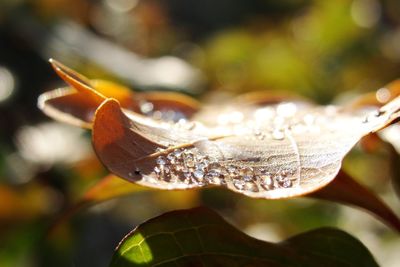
point(161, 160)
point(188, 152)
point(286, 183)
point(250, 187)
point(146, 107)
point(187, 174)
point(189, 162)
point(191, 125)
point(266, 180)
point(168, 115)
point(208, 160)
point(231, 169)
point(177, 153)
point(174, 177)
point(166, 169)
point(157, 115)
point(171, 157)
point(198, 174)
point(215, 172)
point(239, 184)
point(246, 174)
point(201, 165)
point(157, 170)
point(259, 134)
point(383, 95)
point(282, 180)
point(213, 180)
point(278, 134)
point(213, 175)
point(178, 167)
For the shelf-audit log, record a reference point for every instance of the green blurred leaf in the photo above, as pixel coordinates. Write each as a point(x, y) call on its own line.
point(200, 237)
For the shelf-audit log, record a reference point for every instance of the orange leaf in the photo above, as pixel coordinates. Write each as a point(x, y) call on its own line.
point(380, 97)
point(346, 190)
point(109, 187)
point(77, 104)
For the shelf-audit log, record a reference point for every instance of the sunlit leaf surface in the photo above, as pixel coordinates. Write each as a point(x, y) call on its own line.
point(200, 237)
point(277, 151)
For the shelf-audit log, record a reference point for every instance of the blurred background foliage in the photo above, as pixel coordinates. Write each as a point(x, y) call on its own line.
point(327, 51)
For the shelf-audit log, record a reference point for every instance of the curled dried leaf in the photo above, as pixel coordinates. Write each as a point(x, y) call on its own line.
point(380, 97)
point(77, 104)
point(278, 151)
point(346, 190)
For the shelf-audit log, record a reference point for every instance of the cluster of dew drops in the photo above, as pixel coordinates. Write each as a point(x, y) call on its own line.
point(189, 168)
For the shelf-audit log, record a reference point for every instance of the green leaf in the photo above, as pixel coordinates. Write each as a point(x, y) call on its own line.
point(200, 237)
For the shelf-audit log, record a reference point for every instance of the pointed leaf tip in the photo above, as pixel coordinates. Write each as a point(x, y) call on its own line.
point(70, 76)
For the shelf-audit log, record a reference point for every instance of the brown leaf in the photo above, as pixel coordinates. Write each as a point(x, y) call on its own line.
point(277, 151)
point(346, 190)
point(380, 97)
point(77, 104)
point(387, 140)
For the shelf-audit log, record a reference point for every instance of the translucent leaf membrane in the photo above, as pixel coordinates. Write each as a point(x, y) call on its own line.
point(200, 237)
point(276, 151)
